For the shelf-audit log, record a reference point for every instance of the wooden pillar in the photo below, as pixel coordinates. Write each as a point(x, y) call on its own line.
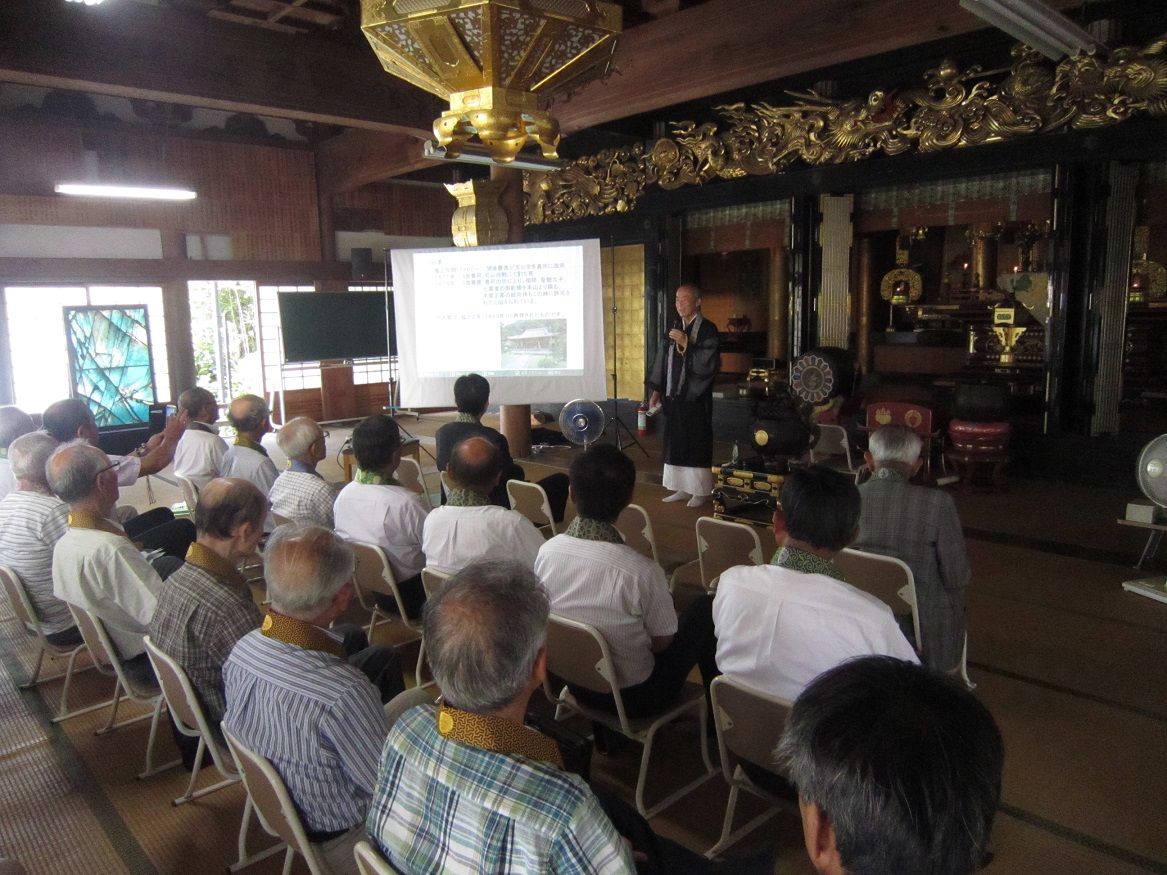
point(514, 419)
point(866, 293)
point(777, 325)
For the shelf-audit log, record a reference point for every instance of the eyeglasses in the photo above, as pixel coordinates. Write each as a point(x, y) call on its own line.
point(112, 466)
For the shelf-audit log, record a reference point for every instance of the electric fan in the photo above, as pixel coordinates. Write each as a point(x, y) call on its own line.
point(581, 421)
point(1152, 474)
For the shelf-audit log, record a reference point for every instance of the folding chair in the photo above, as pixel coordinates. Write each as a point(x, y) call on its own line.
point(370, 861)
point(375, 575)
point(530, 500)
point(190, 492)
point(410, 476)
point(190, 720)
point(885, 577)
point(96, 638)
point(833, 449)
point(578, 654)
point(280, 519)
point(25, 614)
point(431, 579)
point(407, 699)
point(722, 544)
point(635, 525)
point(749, 725)
point(273, 805)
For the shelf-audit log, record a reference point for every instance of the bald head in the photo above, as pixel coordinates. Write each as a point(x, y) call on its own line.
point(305, 567)
point(225, 504)
point(28, 455)
point(248, 415)
point(475, 465)
point(298, 438)
point(13, 423)
point(74, 469)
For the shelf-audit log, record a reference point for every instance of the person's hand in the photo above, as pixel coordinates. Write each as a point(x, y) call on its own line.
point(654, 400)
point(678, 336)
point(173, 429)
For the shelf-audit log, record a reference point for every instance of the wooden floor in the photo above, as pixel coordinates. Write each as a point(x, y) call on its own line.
point(1073, 668)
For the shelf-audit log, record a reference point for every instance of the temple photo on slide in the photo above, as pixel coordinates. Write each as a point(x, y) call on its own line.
point(534, 343)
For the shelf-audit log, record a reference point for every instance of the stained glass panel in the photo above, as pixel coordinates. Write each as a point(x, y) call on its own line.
point(109, 362)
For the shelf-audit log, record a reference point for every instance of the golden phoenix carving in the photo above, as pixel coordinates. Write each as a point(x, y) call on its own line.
point(952, 109)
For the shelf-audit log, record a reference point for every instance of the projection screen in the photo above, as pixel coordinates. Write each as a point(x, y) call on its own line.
point(528, 317)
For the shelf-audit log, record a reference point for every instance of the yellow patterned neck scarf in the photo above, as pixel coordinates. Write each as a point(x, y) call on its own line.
point(211, 562)
point(241, 441)
point(372, 478)
point(79, 519)
point(301, 634)
point(497, 734)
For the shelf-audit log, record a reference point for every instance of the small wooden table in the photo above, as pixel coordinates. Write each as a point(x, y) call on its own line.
point(1153, 538)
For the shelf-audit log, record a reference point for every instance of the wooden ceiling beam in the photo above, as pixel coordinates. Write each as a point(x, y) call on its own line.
point(724, 45)
point(357, 158)
point(154, 53)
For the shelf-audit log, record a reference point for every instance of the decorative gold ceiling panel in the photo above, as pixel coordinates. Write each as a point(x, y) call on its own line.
point(952, 109)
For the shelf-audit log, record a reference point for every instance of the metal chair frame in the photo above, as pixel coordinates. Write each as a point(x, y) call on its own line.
point(577, 653)
point(190, 492)
point(410, 476)
point(530, 499)
point(723, 544)
point(635, 525)
point(376, 575)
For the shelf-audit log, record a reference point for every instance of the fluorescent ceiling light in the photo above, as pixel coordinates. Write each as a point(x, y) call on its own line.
point(139, 192)
point(475, 154)
point(1036, 25)
point(86, 2)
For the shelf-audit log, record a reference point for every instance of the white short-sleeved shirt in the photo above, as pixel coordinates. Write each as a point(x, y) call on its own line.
point(199, 456)
point(392, 517)
point(105, 574)
point(456, 536)
point(617, 590)
point(778, 629)
point(249, 464)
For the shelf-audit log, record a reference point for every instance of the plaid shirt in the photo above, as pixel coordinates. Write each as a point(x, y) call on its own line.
point(200, 616)
point(303, 496)
point(446, 806)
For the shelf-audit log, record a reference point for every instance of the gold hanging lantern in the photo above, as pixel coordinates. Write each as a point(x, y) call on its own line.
point(493, 60)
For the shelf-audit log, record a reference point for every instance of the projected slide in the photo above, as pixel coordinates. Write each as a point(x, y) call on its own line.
point(528, 318)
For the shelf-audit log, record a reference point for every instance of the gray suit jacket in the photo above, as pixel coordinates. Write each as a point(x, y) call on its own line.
point(920, 526)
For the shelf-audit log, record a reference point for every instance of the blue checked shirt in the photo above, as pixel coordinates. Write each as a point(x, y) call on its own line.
point(442, 806)
point(316, 718)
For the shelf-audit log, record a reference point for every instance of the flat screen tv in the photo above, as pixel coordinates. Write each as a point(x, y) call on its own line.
point(335, 325)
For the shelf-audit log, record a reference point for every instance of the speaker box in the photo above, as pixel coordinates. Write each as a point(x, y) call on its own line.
point(362, 261)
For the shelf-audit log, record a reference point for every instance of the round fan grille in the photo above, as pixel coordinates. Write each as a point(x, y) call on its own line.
point(1152, 470)
point(581, 421)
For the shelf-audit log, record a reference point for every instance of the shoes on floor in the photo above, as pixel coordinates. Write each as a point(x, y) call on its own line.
point(677, 496)
point(698, 500)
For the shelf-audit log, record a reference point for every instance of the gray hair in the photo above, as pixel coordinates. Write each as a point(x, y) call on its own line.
point(247, 412)
point(13, 423)
point(297, 437)
point(895, 443)
point(28, 455)
point(192, 401)
point(305, 566)
point(905, 761)
point(72, 470)
point(483, 630)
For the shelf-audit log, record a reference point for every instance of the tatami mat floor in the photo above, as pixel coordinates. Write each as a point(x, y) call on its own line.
point(1071, 666)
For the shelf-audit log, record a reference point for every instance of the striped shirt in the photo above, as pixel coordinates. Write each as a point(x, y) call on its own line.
point(316, 718)
point(617, 590)
point(446, 807)
point(303, 496)
point(30, 526)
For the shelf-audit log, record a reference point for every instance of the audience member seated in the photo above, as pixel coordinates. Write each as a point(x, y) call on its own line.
point(779, 626)
point(32, 520)
point(593, 577)
point(466, 786)
point(71, 419)
point(468, 527)
point(376, 509)
point(200, 451)
point(919, 525)
point(207, 606)
point(300, 493)
point(294, 698)
point(14, 422)
point(898, 770)
point(95, 564)
point(472, 397)
point(247, 459)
